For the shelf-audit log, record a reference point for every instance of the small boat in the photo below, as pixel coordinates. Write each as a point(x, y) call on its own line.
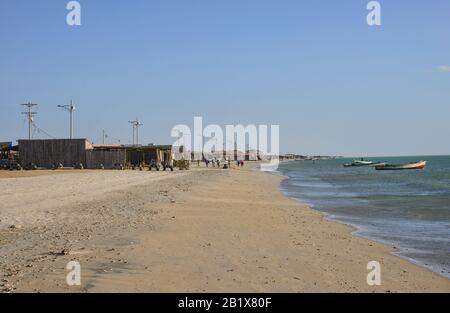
point(362, 163)
point(407, 166)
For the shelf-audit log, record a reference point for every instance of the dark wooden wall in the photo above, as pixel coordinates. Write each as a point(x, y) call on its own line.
point(68, 152)
point(108, 158)
point(47, 153)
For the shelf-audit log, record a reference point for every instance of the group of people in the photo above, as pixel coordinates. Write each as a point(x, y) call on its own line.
point(216, 162)
point(213, 162)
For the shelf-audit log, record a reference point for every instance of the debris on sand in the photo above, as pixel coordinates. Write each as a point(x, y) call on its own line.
point(66, 251)
point(15, 226)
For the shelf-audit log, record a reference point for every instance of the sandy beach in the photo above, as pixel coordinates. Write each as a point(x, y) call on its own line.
point(203, 230)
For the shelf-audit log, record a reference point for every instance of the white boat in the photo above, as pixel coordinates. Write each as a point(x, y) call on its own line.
point(359, 163)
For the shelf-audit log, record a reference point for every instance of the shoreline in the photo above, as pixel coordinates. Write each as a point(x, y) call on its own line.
point(356, 230)
point(205, 230)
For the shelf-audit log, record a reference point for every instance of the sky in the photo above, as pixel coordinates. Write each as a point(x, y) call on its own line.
point(335, 85)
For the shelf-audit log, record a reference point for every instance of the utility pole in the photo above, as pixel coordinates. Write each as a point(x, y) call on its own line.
point(104, 136)
point(29, 115)
point(69, 108)
point(137, 130)
point(133, 123)
point(136, 126)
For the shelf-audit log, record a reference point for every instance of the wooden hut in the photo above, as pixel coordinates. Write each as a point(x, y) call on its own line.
point(48, 153)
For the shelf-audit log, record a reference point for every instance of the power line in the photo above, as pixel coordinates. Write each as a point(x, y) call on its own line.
point(42, 131)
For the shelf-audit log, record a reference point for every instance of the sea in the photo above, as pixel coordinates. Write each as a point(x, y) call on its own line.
point(406, 209)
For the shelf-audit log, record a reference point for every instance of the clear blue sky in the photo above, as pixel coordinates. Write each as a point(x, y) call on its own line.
point(332, 83)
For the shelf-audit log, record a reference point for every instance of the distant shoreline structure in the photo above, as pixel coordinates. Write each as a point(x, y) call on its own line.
point(300, 157)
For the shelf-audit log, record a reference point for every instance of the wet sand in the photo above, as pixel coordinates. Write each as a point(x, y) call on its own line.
point(203, 230)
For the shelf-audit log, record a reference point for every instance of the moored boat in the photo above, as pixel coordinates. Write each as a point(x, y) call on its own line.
point(407, 166)
point(359, 163)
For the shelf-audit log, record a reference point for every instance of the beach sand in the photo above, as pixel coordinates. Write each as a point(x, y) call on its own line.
point(203, 230)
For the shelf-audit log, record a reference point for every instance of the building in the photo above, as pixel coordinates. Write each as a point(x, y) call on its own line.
point(136, 155)
point(51, 153)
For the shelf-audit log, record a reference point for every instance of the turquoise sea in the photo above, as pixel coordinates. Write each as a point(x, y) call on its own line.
point(407, 209)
